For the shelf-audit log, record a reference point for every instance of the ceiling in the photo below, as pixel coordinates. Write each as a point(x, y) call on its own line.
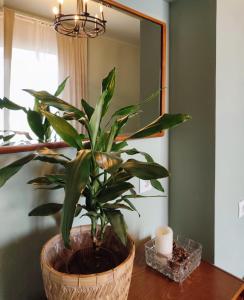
point(120, 25)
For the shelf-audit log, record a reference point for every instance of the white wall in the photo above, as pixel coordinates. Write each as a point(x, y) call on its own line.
point(21, 237)
point(229, 189)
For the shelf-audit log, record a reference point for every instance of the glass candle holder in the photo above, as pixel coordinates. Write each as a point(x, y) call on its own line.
point(178, 271)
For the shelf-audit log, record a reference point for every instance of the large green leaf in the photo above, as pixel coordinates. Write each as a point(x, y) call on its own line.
point(61, 87)
point(134, 109)
point(51, 100)
point(96, 118)
point(116, 219)
point(89, 110)
point(9, 134)
point(7, 172)
point(145, 170)
point(119, 146)
point(108, 161)
point(77, 176)
point(47, 129)
point(51, 182)
point(127, 110)
point(135, 196)
point(120, 176)
point(163, 122)
point(8, 137)
point(6, 103)
point(46, 210)
point(67, 132)
point(132, 206)
point(57, 178)
point(115, 130)
point(43, 180)
point(69, 116)
point(34, 119)
point(49, 152)
point(154, 182)
point(157, 185)
point(134, 151)
point(114, 191)
point(117, 206)
point(52, 160)
point(108, 86)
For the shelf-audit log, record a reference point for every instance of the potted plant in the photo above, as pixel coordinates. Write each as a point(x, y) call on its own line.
point(92, 262)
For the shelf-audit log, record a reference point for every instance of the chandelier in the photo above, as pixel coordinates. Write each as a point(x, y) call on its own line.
point(81, 23)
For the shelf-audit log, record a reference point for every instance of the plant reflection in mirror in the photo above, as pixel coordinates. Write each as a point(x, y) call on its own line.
point(37, 122)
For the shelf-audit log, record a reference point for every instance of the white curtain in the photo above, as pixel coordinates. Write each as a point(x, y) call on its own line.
point(7, 54)
point(34, 63)
point(38, 58)
point(72, 61)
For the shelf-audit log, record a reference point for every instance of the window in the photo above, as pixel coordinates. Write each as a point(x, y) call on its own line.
point(34, 65)
point(33, 71)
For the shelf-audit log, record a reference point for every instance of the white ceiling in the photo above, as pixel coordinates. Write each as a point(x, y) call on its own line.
point(120, 24)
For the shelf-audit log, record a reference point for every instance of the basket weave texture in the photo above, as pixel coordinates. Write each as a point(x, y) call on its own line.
point(111, 285)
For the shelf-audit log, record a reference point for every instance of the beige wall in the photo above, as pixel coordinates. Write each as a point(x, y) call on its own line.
point(105, 53)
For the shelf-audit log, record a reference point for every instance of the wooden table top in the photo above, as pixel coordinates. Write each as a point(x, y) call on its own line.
point(207, 282)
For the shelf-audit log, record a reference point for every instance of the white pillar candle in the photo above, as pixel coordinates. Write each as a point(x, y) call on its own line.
point(164, 241)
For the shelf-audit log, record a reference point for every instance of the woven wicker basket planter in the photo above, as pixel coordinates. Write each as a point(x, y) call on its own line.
point(111, 285)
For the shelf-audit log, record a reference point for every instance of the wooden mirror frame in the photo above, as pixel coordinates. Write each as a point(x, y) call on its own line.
point(117, 5)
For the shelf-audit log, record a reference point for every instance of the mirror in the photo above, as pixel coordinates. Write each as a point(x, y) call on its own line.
point(34, 56)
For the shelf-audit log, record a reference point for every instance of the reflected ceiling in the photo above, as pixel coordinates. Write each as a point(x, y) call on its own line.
point(120, 25)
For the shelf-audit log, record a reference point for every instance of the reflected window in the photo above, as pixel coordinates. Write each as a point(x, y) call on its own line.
point(34, 65)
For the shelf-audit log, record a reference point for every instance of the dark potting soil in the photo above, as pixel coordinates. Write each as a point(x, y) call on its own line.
point(91, 261)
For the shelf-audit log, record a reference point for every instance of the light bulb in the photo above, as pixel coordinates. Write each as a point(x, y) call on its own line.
point(61, 1)
point(101, 8)
point(76, 17)
point(55, 10)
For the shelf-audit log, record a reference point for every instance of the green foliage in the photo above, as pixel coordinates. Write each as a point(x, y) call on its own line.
point(108, 86)
point(67, 132)
point(34, 119)
point(76, 177)
point(96, 118)
point(99, 174)
point(7, 172)
point(50, 100)
point(145, 170)
point(88, 109)
point(40, 125)
point(6, 103)
point(116, 219)
point(61, 87)
point(163, 122)
point(46, 210)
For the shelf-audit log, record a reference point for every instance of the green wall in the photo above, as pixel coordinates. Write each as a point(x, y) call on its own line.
point(206, 155)
point(192, 147)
